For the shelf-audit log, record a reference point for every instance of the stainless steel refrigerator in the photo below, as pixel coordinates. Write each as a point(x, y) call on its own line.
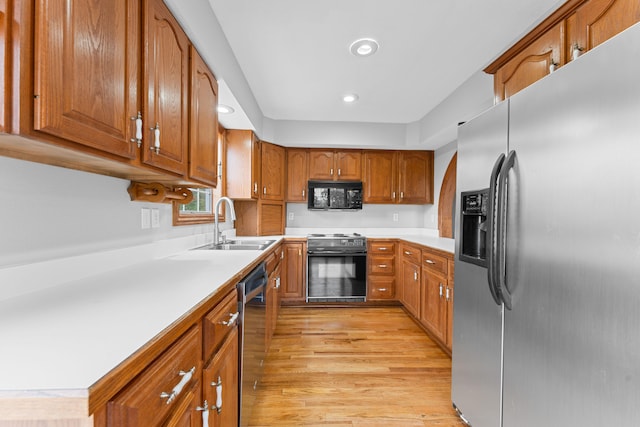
point(546, 325)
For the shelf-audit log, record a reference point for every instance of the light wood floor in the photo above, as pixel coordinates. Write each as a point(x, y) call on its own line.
point(353, 367)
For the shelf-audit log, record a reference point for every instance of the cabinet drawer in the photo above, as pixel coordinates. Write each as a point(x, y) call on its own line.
point(384, 265)
point(382, 248)
point(219, 322)
point(381, 288)
point(435, 263)
point(161, 387)
point(410, 253)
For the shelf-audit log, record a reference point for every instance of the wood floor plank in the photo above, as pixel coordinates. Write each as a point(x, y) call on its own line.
point(353, 367)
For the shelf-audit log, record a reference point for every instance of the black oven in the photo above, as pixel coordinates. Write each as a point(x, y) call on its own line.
point(336, 268)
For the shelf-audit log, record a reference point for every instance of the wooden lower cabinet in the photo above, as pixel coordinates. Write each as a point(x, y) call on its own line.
point(220, 384)
point(410, 277)
point(433, 308)
point(175, 389)
point(381, 269)
point(293, 288)
point(272, 292)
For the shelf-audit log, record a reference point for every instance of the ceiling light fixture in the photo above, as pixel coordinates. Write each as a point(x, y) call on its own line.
point(225, 109)
point(364, 47)
point(350, 98)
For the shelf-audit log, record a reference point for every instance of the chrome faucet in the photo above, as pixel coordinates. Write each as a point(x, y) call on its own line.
point(216, 227)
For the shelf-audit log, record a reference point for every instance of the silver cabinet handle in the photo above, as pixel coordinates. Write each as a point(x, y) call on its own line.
point(393, 195)
point(428, 261)
point(440, 290)
point(302, 193)
point(186, 377)
point(232, 319)
point(255, 187)
point(331, 172)
point(576, 51)
point(264, 190)
point(407, 253)
point(278, 282)
point(402, 194)
point(448, 296)
point(415, 276)
point(156, 139)
point(205, 413)
point(339, 171)
point(382, 265)
point(218, 386)
point(383, 249)
point(382, 289)
point(138, 120)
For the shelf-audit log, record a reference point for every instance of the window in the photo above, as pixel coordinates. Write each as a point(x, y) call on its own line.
point(199, 210)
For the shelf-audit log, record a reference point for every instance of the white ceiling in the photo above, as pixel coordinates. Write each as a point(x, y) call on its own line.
point(295, 53)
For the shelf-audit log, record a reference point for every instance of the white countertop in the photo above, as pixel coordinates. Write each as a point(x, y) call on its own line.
point(69, 336)
point(66, 337)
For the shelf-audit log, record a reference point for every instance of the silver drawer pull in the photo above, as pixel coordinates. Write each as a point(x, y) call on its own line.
point(218, 386)
point(231, 320)
point(383, 249)
point(428, 261)
point(205, 413)
point(407, 253)
point(186, 377)
point(383, 289)
point(382, 265)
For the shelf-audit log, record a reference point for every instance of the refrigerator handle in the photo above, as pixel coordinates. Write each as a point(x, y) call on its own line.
point(503, 195)
point(492, 231)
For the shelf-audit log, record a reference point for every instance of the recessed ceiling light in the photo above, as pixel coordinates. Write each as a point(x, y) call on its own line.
point(364, 47)
point(350, 98)
point(225, 109)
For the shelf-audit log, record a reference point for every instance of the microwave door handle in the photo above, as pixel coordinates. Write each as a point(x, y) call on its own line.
point(492, 212)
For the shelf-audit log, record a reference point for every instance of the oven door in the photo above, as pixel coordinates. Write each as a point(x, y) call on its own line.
point(337, 277)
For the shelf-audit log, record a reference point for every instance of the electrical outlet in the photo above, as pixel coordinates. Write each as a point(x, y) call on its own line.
point(145, 214)
point(155, 218)
point(395, 217)
point(291, 216)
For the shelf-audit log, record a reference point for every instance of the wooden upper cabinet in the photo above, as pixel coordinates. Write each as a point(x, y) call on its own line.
point(415, 177)
point(334, 165)
point(581, 24)
point(297, 174)
point(349, 165)
point(243, 164)
point(166, 76)
point(321, 164)
point(596, 21)
point(273, 171)
point(530, 65)
point(86, 68)
point(203, 139)
point(398, 177)
point(379, 180)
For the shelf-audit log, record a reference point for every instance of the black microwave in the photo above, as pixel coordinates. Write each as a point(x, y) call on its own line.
point(326, 195)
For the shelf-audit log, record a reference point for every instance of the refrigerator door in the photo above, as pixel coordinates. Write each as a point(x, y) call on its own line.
point(477, 319)
point(572, 344)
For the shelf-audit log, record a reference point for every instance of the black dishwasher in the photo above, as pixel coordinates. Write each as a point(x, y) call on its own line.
point(251, 291)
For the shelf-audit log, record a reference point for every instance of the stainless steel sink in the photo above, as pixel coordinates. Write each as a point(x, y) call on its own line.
point(240, 245)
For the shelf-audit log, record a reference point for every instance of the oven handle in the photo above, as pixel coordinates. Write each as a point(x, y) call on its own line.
point(322, 253)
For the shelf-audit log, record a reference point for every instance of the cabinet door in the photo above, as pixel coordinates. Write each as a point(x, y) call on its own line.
point(349, 165)
point(531, 64)
point(242, 160)
point(293, 287)
point(379, 177)
point(203, 140)
point(86, 68)
point(411, 287)
point(321, 165)
point(166, 74)
point(272, 176)
point(297, 175)
point(415, 177)
point(186, 413)
point(597, 21)
point(433, 313)
point(220, 384)
point(270, 218)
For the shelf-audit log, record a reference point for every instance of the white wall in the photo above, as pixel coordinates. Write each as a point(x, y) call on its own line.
point(50, 212)
point(371, 216)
